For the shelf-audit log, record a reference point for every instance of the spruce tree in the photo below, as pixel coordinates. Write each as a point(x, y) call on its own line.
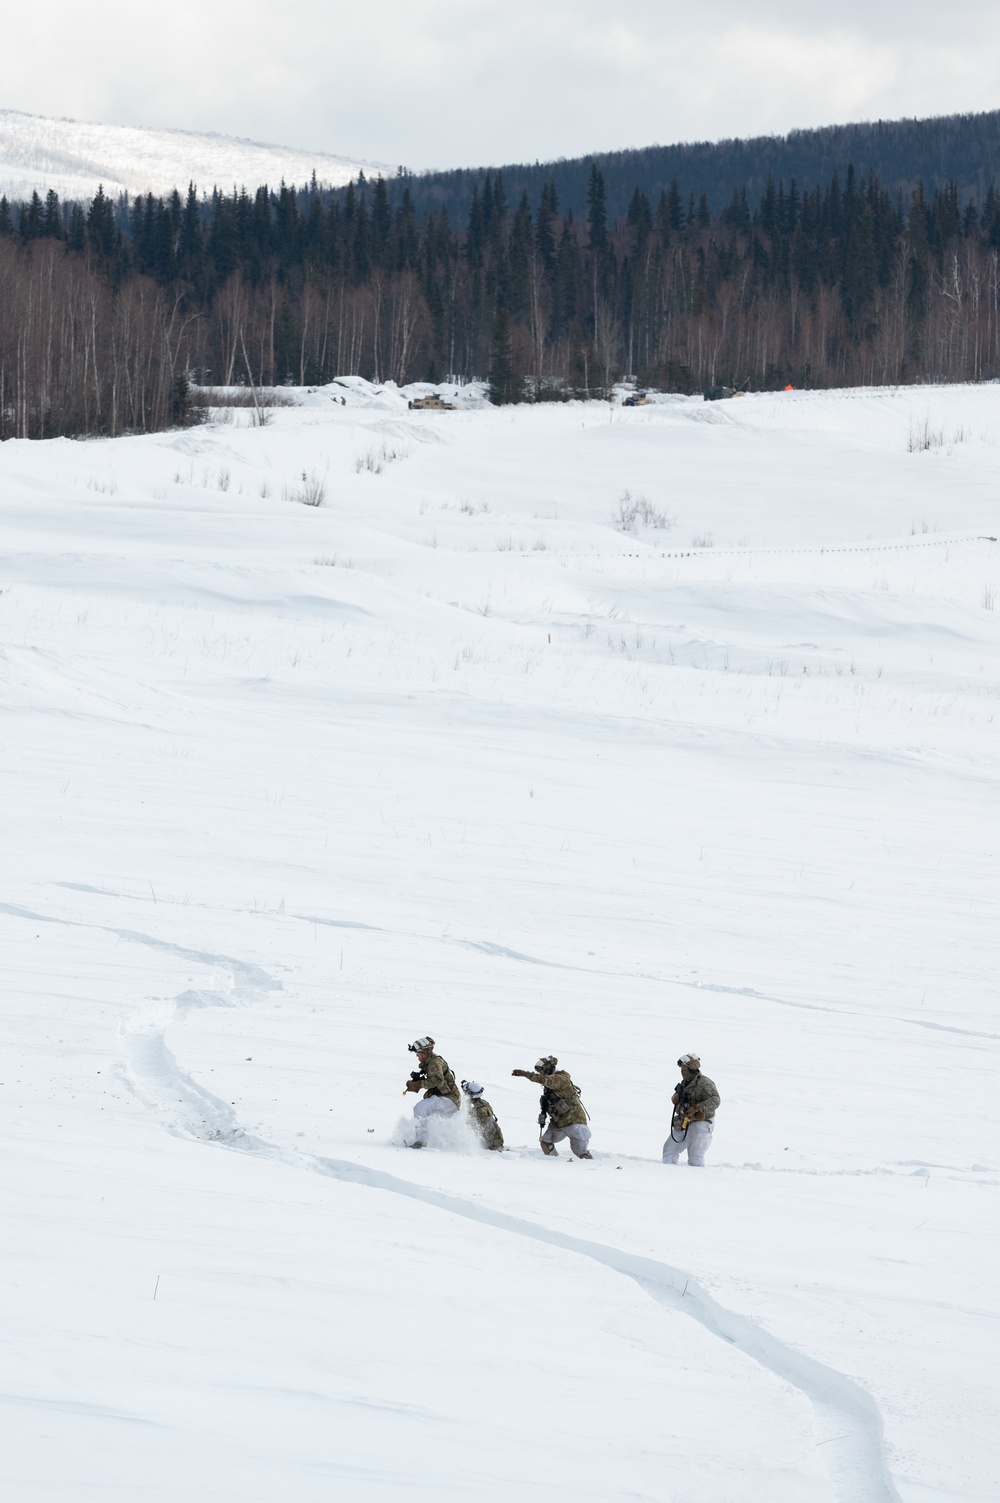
point(499, 209)
point(102, 234)
point(545, 237)
point(381, 223)
point(475, 232)
point(314, 232)
point(407, 235)
point(675, 206)
point(597, 212)
point(991, 219)
point(76, 234)
point(767, 215)
point(361, 241)
point(223, 237)
point(793, 207)
point(520, 259)
point(640, 216)
point(52, 223)
point(564, 280)
point(31, 218)
point(189, 247)
point(505, 386)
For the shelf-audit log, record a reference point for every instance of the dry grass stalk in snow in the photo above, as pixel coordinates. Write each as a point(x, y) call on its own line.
point(633, 512)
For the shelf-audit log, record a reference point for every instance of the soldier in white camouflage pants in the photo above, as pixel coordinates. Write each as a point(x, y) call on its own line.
point(695, 1100)
point(431, 1106)
point(561, 1104)
point(578, 1134)
point(437, 1081)
point(694, 1140)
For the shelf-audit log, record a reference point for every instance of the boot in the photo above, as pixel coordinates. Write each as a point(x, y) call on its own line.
point(416, 1145)
point(585, 1155)
point(549, 1148)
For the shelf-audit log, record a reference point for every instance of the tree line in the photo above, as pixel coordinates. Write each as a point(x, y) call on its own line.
point(109, 310)
point(964, 149)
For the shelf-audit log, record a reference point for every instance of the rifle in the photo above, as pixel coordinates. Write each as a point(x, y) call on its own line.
point(414, 1075)
point(680, 1115)
point(545, 1102)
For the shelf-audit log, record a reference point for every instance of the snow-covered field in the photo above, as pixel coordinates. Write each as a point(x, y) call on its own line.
point(75, 157)
point(287, 786)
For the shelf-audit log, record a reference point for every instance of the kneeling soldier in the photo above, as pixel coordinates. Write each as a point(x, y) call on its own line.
point(561, 1104)
point(435, 1079)
point(482, 1115)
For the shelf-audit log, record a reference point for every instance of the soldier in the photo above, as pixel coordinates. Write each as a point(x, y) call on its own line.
point(562, 1105)
point(696, 1102)
point(435, 1079)
point(482, 1115)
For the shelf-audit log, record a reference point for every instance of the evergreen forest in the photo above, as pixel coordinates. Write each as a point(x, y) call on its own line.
point(959, 149)
point(111, 311)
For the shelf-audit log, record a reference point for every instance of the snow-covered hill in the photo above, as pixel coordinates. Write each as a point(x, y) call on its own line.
point(287, 786)
point(73, 157)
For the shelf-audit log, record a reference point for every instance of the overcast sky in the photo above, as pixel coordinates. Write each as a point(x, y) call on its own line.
point(439, 83)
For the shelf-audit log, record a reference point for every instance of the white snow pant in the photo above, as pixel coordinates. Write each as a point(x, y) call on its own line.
point(699, 1136)
point(431, 1106)
point(578, 1134)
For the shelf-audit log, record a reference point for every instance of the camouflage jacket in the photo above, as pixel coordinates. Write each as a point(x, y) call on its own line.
point(483, 1119)
point(437, 1077)
point(560, 1098)
point(696, 1099)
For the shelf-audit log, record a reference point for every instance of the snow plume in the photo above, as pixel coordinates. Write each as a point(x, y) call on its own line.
point(444, 1134)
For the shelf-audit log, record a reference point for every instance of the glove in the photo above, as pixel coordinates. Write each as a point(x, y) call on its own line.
point(413, 1085)
point(519, 1072)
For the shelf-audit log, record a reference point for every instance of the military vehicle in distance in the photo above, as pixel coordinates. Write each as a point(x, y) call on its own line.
point(433, 403)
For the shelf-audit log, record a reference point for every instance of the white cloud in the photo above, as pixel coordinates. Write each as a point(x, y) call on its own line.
point(465, 82)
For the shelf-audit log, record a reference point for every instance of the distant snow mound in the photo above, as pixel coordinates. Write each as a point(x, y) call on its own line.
point(74, 157)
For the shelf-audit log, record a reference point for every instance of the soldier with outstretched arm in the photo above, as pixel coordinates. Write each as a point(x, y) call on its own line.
point(435, 1079)
point(696, 1101)
point(561, 1104)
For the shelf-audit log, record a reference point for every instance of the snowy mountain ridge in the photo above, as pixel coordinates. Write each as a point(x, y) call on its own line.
point(74, 157)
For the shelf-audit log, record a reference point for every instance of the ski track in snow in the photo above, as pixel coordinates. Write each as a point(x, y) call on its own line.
point(849, 1428)
point(255, 976)
point(486, 947)
point(848, 1423)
